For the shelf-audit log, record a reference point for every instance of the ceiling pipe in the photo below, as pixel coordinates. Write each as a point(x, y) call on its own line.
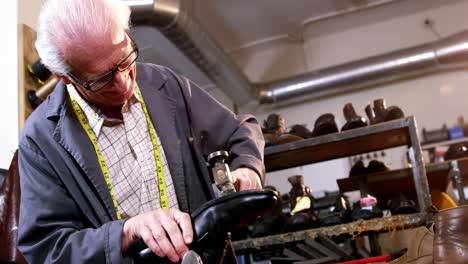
point(174, 20)
point(445, 54)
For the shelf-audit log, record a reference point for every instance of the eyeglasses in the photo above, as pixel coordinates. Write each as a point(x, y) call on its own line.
point(106, 78)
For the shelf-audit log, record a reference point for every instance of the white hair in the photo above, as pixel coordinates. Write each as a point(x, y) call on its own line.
point(68, 25)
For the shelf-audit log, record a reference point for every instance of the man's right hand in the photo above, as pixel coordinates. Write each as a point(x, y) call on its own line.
point(166, 232)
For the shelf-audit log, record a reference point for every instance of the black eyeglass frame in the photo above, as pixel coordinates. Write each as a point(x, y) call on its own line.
point(88, 85)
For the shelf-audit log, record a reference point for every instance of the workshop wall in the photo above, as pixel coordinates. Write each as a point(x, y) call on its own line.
point(433, 99)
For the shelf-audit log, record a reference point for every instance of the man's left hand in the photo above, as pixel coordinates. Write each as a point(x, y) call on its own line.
point(246, 179)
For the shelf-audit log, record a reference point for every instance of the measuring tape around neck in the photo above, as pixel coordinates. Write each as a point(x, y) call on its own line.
point(164, 201)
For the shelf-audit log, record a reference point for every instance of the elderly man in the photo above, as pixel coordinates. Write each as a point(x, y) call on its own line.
point(117, 152)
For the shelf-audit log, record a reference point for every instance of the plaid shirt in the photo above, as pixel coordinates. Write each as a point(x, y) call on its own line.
point(128, 153)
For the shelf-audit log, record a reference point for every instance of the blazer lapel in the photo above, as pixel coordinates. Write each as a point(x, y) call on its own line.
point(72, 137)
point(162, 111)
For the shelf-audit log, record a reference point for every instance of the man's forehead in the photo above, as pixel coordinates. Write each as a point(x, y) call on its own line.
point(99, 56)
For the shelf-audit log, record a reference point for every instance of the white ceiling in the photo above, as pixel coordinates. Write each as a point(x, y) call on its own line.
point(242, 22)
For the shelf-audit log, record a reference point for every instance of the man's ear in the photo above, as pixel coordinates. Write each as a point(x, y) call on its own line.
point(64, 79)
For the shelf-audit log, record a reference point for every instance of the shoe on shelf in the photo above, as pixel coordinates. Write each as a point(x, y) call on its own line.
point(366, 208)
point(300, 221)
point(381, 113)
point(456, 151)
point(300, 131)
point(325, 124)
point(338, 213)
point(288, 138)
point(358, 169)
point(272, 128)
point(271, 222)
point(376, 166)
point(399, 204)
point(274, 131)
point(352, 119)
point(300, 195)
point(302, 206)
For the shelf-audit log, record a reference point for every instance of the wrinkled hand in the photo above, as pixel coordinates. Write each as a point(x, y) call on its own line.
point(246, 179)
point(166, 232)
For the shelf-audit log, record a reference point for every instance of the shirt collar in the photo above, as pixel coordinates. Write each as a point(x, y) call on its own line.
point(96, 118)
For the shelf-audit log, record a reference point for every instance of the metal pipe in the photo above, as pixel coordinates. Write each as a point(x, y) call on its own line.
point(173, 19)
point(423, 59)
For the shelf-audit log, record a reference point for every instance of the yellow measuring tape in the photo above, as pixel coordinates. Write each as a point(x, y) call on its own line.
point(157, 154)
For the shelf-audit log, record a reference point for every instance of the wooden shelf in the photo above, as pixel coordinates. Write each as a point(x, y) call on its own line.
point(437, 174)
point(444, 143)
point(383, 185)
point(384, 224)
point(338, 145)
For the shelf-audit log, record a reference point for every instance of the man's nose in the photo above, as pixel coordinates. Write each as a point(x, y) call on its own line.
point(120, 78)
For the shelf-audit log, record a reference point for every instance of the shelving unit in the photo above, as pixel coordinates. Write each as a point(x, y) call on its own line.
point(396, 133)
point(360, 227)
point(402, 132)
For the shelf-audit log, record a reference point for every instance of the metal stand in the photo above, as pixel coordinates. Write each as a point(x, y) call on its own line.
point(455, 175)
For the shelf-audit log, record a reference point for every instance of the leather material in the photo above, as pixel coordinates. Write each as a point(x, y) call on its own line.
point(456, 151)
point(270, 139)
point(9, 213)
point(275, 124)
point(451, 235)
point(274, 131)
point(358, 169)
point(271, 222)
point(420, 248)
point(300, 221)
point(339, 213)
point(352, 119)
point(374, 166)
point(401, 205)
point(325, 124)
point(287, 138)
point(299, 190)
point(300, 131)
point(213, 220)
point(381, 113)
point(361, 212)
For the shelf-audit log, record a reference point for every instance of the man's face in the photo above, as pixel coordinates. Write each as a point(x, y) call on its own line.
point(98, 60)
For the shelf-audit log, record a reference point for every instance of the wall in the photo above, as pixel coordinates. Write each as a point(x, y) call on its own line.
point(434, 99)
point(9, 72)
point(13, 12)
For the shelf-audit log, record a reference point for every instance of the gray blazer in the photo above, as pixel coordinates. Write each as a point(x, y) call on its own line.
point(66, 213)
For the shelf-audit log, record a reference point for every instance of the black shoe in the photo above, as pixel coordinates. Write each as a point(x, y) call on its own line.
point(358, 169)
point(365, 212)
point(339, 213)
point(352, 119)
point(325, 124)
point(376, 166)
point(401, 205)
point(301, 131)
point(381, 113)
point(300, 221)
point(213, 221)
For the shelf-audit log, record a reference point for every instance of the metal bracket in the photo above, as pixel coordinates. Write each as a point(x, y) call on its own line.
point(455, 175)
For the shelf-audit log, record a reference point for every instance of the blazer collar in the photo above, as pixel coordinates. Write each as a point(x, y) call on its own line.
point(56, 102)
